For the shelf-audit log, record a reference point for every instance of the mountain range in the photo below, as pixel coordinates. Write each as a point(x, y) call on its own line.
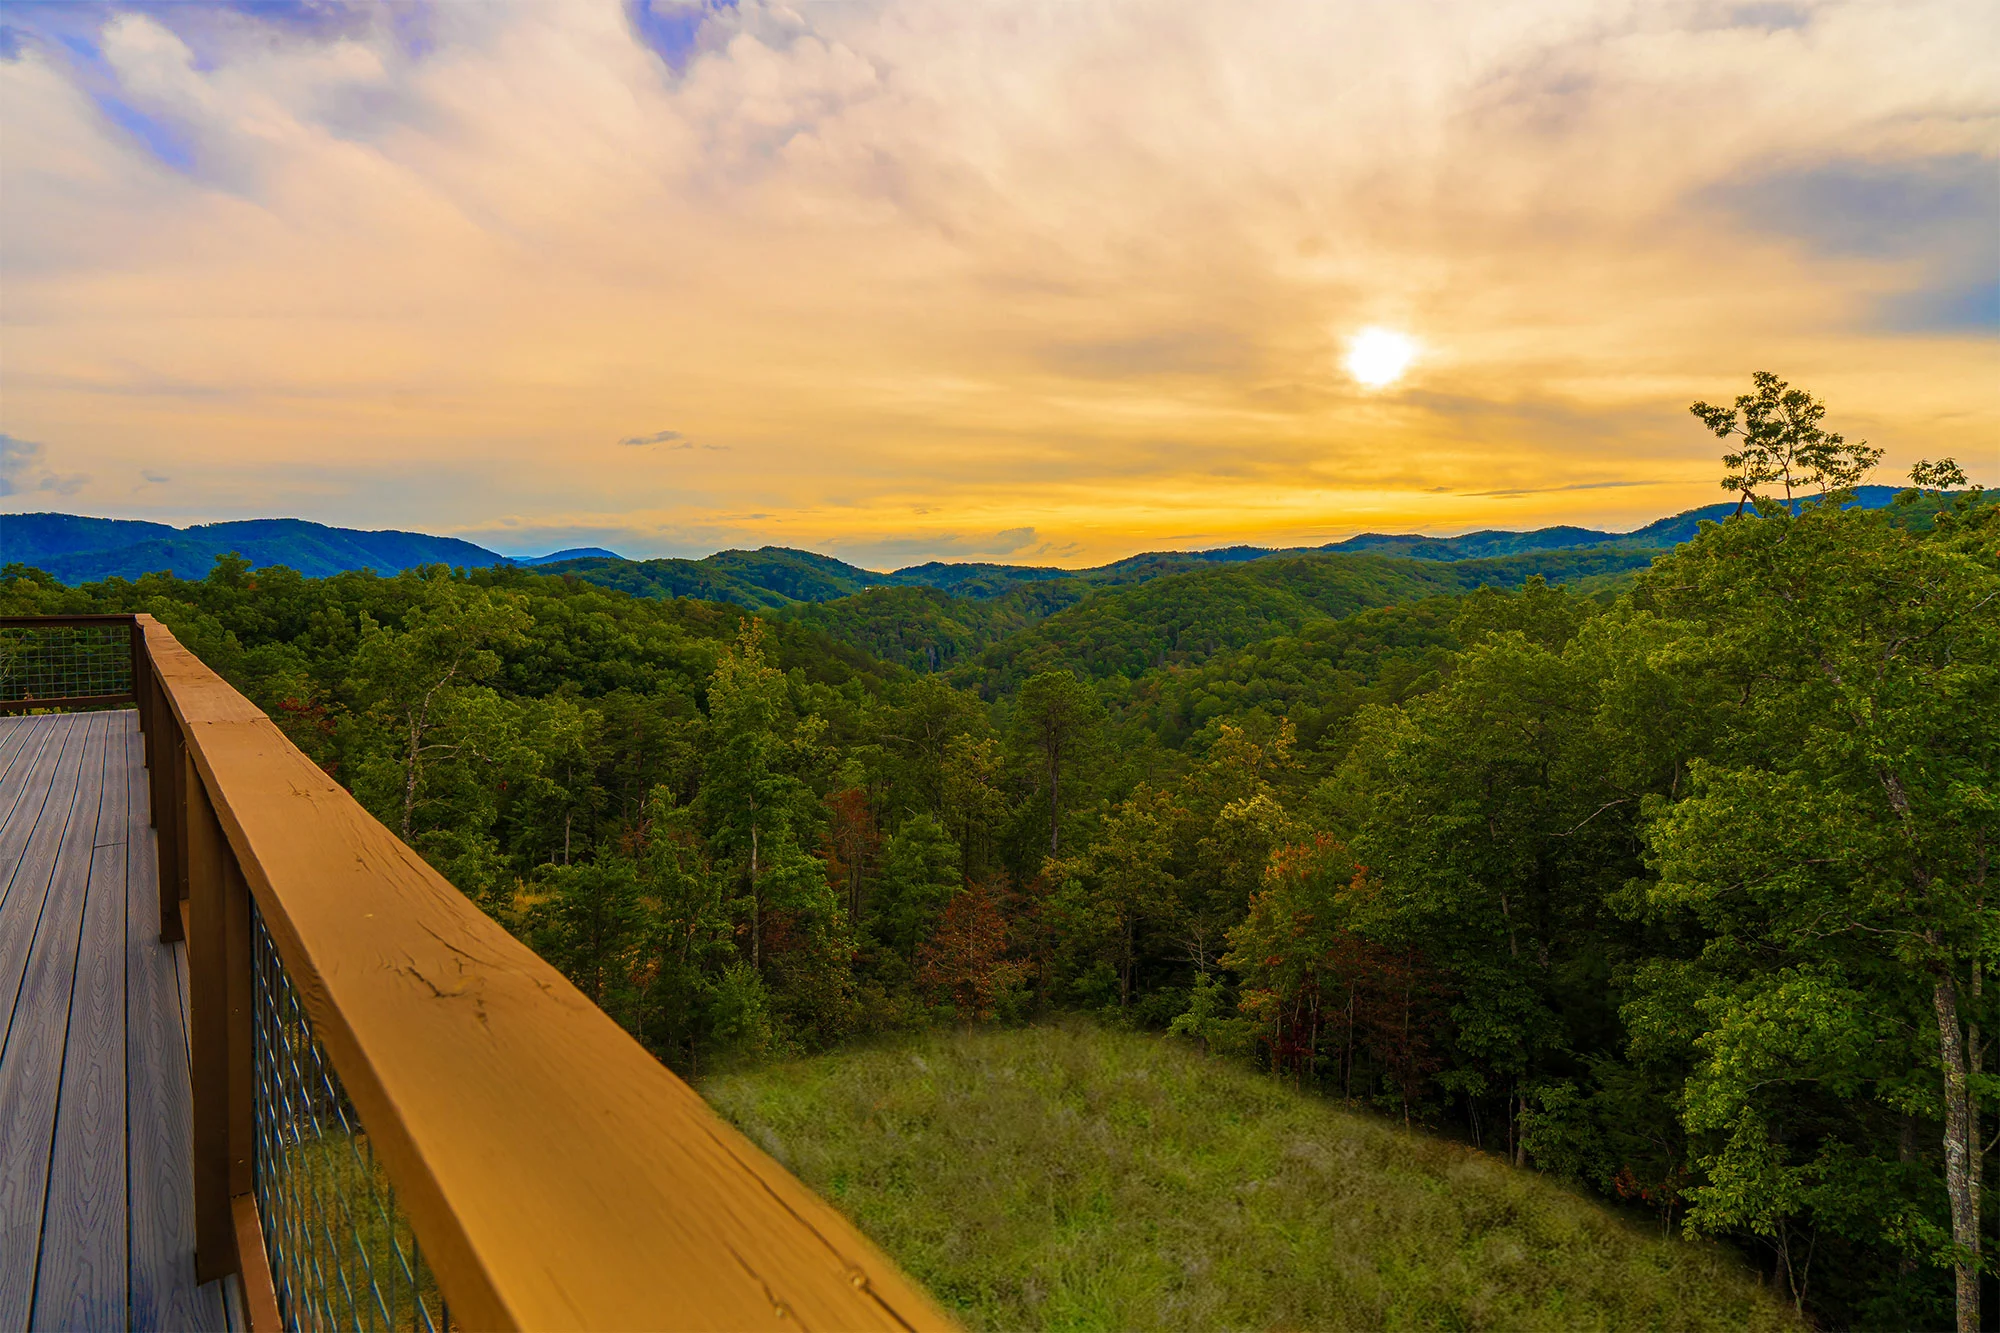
point(76, 549)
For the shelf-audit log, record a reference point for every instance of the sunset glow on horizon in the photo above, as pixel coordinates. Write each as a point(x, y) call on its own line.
point(899, 281)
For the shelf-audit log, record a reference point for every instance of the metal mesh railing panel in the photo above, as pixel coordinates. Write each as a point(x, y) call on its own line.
point(341, 1250)
point(58, 662)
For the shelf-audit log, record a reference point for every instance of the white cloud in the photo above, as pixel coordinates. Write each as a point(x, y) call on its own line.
point(24, 470)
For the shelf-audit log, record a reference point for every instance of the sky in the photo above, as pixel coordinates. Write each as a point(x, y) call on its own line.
point(1048, 282)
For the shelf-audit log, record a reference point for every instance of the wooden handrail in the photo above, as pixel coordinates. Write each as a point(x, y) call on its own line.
point(555, 1174)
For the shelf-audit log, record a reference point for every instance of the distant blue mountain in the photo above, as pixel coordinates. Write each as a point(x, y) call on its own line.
point(1659, 534)
point(82, 550)
point(33, 538)
point(573, 553)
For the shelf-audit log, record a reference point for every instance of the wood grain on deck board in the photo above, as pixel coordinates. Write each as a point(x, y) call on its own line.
point(81, 1280)
point(44, 841)
point(23, 789)
point(17, 868)
point(16, 734)
point(32, 1059)
point(104, 1143)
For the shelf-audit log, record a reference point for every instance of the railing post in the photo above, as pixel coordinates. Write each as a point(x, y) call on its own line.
point(169, 818)
point(237, 982)
point(140, 699)
point(149, 710)
point(210, 1028)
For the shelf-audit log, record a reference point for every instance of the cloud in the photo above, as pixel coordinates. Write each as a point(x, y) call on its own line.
point(1769, 17)
point(921, 547)
point(1556, 490)
point(1936, 216)
point(1083, 268)
point(23, 471)
point(1195, 351)
point(1969, 305)
point(1857, 206)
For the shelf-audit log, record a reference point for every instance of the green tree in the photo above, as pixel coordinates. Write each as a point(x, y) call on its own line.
point(560, 785)
point(1210, 1017)
point(921, 730)
point(1230, 812)
point(1939, 476)
point(761, 810)
point(1487, 813)
point(1834, 850)
point(974, 805)
point(1783, 442)
point(691, 946)
point(1110, 895)
point(415, 679)
point(921, 873)
point(1057, 717)
point(591, 922)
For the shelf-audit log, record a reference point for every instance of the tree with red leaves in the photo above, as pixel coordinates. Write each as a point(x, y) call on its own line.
point(853, 845)
point(964, 963)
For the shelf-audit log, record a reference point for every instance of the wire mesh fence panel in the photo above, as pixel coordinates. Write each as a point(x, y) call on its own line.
point(341, 1250)
point(58, 662)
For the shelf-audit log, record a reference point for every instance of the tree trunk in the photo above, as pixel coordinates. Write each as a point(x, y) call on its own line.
point(756, 907)
point(1055, 806)
point(1406, 1076)
point(1125, 968)
point(1960, 1184)
point(410, 770)
point(1347, 1073)
point(1975, 1148)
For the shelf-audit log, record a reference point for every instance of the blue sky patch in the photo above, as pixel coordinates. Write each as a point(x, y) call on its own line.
point(163, 140)
point(1973, 308)
point(1940, 213)
point(671, 28)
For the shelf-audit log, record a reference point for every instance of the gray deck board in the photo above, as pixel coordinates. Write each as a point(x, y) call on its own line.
point(81, 1280)
point(27, 868)
point(96, 1187)
point(31, 1063)
point(12, 741)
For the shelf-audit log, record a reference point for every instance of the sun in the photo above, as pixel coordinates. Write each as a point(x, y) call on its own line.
point(1377, 357)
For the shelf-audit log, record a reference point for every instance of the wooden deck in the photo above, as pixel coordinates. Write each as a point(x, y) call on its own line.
point(96, 1187)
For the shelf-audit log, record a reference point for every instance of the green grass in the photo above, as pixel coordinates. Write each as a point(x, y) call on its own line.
point(1070, 1177)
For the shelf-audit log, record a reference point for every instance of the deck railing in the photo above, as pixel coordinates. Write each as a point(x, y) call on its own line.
point(67, 661)
point(403, 1117)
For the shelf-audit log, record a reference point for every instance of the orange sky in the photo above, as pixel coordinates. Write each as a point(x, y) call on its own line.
point(894, 279)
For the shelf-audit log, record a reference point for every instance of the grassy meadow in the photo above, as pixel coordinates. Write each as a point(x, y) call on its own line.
point(1074, 1177)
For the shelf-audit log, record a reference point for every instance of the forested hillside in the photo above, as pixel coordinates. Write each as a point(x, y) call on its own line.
point(1675, 889)
point(79, 550)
